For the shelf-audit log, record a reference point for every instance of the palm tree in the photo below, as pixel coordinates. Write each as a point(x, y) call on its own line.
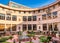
point(19, 33)
point(31, 34)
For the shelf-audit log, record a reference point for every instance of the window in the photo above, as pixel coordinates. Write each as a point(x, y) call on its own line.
point(19, 19)
point(49, 16)
point(2, 16)
point(29, 12)
point(14, 18)
point(39, 27)
point(33, 11)
point(19, 28)
point(2, 27)
point(43, 10)
point(8, 12)
point(3, 9)
point(59, 3)
point(13, 27)
point(39, 19)
point(44, 17)
point(24, 18)
point(8, 17)
point(19, 11)
point(24, 12)
point(50, 27)
point(29, 27)
point(24, 26)
point(49, 9)
point(54, 14)
point(38, 11)
point(55, 27)
point(29, 18)
point(8, 27)
point(53, 7)
point(34, 18)
point(44, 27)
point(34, 26)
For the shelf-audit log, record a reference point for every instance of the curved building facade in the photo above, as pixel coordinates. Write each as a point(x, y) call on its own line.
point(22, 18)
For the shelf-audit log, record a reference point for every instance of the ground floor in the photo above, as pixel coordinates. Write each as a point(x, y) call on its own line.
point(30, 27)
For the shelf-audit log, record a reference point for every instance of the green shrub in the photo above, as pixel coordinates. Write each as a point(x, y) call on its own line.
point(31, 34)
point(29, 42)
point(5, 42)
point(3, 39)
point(43, 39)
point(10, 37)
point(49, 38)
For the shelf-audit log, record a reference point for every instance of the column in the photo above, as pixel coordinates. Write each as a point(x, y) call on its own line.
point(27, 27)
point(41, 17)
point(32, 26)
point(51, 16)
point(47, 27)
point(11, 24)
point(52, 27)
point(11, 28)
point(38, 26)
point(20, 27)
point(5, 28)
point(16, 28)
point(58, 27)
point(5, 23)
point(41, 27)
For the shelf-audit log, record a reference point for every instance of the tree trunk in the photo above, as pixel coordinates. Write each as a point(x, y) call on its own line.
point(19, 41)
point(30, 40)
point(45, 42)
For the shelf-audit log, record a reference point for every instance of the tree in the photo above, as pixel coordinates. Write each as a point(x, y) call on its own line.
point(44, 39)
point(31, 34)
point(19, 33)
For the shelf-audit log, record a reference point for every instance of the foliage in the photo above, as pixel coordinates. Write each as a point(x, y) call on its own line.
point(20, 33)
point(10, 37)
point(29, 42)
point(5, 42)
point(3, 39)
point(49, 38)
point(31, 34)
point(43, 39)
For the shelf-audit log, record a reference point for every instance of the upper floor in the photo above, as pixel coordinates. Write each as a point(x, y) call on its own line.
point(49, 12)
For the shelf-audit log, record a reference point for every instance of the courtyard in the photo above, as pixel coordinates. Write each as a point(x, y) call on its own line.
point(22, 24)
point(30, 37)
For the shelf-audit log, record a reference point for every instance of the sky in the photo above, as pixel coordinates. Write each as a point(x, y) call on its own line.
point(30, 3)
